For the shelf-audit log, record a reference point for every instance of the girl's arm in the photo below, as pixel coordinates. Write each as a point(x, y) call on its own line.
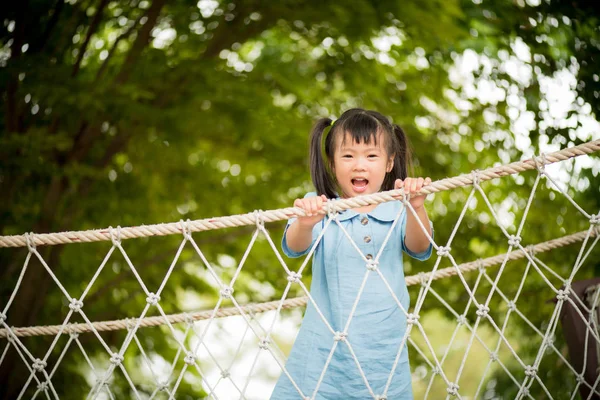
point(299, 234)
point(415, 239)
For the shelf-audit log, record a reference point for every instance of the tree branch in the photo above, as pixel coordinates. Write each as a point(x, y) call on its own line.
point(91, 30)
point(116, 43)
point(38, 46)
point(64, 41)
point(12, 112)
point(81, 144)
point(87, 134)
point(141, 41)
point(223, 38)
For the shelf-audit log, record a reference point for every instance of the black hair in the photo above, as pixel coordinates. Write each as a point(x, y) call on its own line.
point(362, 126)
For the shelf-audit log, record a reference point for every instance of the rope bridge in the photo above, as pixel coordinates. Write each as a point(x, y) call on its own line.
point(193, 353)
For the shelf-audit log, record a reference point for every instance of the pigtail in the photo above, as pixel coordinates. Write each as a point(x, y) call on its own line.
point(402, 159)
point(319, 170)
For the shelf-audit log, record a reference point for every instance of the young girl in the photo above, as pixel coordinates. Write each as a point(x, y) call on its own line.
point(365, 154)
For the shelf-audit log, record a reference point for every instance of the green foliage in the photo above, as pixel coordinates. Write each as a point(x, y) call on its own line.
point(156, 111)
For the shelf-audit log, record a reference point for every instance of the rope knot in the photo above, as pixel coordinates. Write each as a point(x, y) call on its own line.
point(476, 178)
point(116, 359)
point(540, 163)
point(2, 317)
point(422, 278)
point(73, 334)
point(42, 386)
point(443, 251)
point(225, 374)
point(163, 386)
point(381, 397)
point(562, 295)
point(580, 379)
point(482, 310)
point(514, 240)
point(493, 357)
point(115, 239)
point(340, 336)
point(185, 228)
point(595, 219)
point(30, 239)
point(412, 318)
point(294, 277)
point(152, 299)
point(264, 343)
point(461, 320)
point(190, 358)
point(226, 292)
point(435, 370)
point(479, 265)
point(187, 318)
point(530, 370)
point(260, 221)
point(332, 213)
point(372, 265)
point(130, 323)
point(76, 305)
point(549, 341)
point(512, 306)
point(452, 389)
point(38, 364)
point(525, 391)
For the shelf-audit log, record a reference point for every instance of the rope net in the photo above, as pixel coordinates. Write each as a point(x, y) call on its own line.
point(467, 334)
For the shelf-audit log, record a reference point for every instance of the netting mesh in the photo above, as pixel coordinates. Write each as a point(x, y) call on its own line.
point(477, 339)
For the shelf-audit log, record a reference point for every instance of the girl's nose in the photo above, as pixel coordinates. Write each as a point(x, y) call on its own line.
point(359, 165)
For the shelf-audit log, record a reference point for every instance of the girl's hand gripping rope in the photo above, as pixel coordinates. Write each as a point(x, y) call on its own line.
point(412, 186)
point(312, 206)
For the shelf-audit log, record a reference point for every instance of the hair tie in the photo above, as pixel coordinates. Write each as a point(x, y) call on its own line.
point(332, 122)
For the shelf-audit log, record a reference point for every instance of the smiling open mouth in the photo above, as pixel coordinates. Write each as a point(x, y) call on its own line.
point(359, 185)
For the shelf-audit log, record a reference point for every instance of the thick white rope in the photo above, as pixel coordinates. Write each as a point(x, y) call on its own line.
point(419, 279)
point(96, 235)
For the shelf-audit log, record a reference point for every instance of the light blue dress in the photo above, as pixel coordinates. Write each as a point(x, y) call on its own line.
point(378, 325)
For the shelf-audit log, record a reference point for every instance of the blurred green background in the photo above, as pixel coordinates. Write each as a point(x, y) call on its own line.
point(140, 112)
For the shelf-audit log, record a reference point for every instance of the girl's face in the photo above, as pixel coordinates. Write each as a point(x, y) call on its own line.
point(360, 168)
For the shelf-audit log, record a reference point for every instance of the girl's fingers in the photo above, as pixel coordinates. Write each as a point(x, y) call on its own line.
point(313, 206)
point(306, 207)
point(304, 204)
point(412, 185)
point(318, 204)
point(323, 201)
point(419, 184)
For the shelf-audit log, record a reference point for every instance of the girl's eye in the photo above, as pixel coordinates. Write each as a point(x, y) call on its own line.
point(372, 155)
point(346, 156)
